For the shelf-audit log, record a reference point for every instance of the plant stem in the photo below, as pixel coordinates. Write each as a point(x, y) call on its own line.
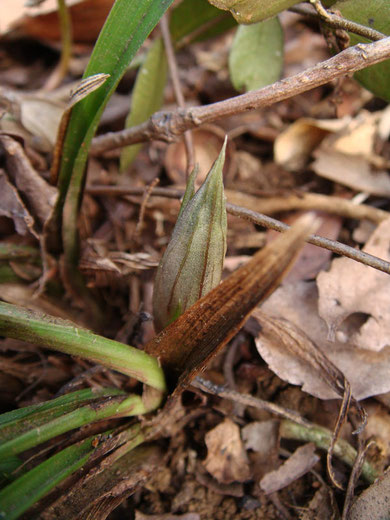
point(66, 52)
point(322, 438)
point(326, 243)
point(167, 126)
point(172, 64)
point(19, 323)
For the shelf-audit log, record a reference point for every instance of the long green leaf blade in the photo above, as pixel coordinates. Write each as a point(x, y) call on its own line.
point(18, 496)
point(18, 421)
point(19, 323)
point(27, 489)
point(126, 27)
point(104, 409)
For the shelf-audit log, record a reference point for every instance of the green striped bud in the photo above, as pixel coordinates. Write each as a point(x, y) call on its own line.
point(193, 261)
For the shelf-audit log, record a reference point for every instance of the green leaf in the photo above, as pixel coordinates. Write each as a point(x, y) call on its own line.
point(116, 406)
point(27, 489)
point(7, 468)
point(196, 21)
point(192, 263)
point(256, 57)
point(18, 496)
point(18, 421)
point(374, 14)
point(253, 11)
point(19, 323)
point(126, 27)
point(147, 96)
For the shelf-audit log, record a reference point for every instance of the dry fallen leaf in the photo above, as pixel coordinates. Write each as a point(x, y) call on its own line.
point(349, 288)
point(41, 22)
point(262, 438)
point(294, 145)
point(291, 354)
point(367, 371)
point(349, 157)
point(322, 506)
point(13, 207)
point(301, 461)
point(353, 171)
point(208, 142)
point(185, 516)
point(37, 193)
point(226, 458)
point(312, 259)
point(373, 503)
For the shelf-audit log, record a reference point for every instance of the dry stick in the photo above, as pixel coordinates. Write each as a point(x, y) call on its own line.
point(268, 205)
point(147, 194)
point(66, 53)
point(166, 126)
point(354, 477)
point(326, 243)
point(172, 64)
point(248, 400)
point(259, 219)
point(337, 22)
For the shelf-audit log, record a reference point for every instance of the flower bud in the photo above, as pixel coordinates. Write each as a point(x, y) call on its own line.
point(193, 261)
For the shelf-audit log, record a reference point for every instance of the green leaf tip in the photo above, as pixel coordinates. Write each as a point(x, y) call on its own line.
point(256, 56)
point(193, 261)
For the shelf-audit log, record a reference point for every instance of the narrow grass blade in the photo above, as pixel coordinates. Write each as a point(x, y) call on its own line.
point(19, 323)
point(7, 468)
point(126, 27)
point(18, 496)
point(26, 490)
point(18, 421)
point(119, 406)
point(114, 477)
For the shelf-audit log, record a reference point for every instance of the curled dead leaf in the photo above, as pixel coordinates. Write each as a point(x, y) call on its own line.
point(366, 370)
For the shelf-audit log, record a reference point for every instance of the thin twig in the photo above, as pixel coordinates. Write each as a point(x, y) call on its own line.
point(338, 22)
point(267, 205)
point(66, 52)
point(322, 437)
point(326, 243)
point(248, 400)
point(354, 477)
point(261, 220)
point(172, 64)
point(167, 126)
point(146, 197)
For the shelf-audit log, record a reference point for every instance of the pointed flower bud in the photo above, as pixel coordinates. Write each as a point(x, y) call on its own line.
point(192, 263)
